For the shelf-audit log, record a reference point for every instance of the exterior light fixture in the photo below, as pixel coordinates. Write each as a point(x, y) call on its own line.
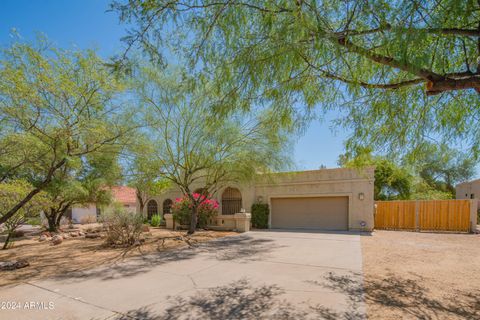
point(363, 224)
point(361, 196)
point(260, 199)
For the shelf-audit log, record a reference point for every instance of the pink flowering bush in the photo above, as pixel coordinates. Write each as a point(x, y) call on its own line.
point(206, 210)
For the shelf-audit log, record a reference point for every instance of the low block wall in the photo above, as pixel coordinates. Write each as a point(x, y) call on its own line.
point(235, 222)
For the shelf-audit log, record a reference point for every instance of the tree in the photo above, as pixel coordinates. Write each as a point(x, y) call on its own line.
point(441, 167)
point(10, 193)
point(57, 107)
point(192, 148)
point(392, 182)
point(140, 174)
point(401, 72)
point(80, 183)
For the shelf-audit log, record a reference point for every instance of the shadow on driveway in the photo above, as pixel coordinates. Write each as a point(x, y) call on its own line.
point(239, 300)
point(238, 248)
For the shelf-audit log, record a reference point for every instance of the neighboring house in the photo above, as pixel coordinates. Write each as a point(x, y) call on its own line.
point(326, 199)
point(468, 190)
point(120, 194)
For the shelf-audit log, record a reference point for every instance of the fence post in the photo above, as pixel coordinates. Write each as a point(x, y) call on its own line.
point(473, 215)
point(417, 219)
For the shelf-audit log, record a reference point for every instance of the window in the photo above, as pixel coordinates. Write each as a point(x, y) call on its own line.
point(472, 196)
point(231, 201)
point(152, 208)
point(99, 212)
point(167, 206)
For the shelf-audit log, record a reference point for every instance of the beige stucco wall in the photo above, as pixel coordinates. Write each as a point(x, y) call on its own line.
point(327, 182)
point(466, 189)
point(324, 182)
point(80, 213)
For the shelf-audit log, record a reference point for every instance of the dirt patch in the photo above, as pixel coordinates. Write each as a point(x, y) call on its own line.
point(81, 254)
point(411, 275)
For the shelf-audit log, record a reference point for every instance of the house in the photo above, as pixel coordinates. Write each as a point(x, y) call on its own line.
point(468, 190)
point(126, 196)
point(325, 199)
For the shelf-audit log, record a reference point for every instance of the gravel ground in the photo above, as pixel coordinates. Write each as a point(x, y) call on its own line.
point(411, 275)
point(81, 254)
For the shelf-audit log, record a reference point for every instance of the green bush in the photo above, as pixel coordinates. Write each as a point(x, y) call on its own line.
point(34, 221)
point(156, 220)
point(260, 212)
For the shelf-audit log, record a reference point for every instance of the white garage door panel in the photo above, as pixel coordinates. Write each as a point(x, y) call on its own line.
point(326, 213)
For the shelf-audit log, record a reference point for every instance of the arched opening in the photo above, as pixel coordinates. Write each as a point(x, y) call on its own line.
point(152, 208)
point(167, 206)
point(231, 201)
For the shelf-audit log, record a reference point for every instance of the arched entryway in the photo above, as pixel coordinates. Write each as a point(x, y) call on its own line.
point(231, 201)
point(167, 206)
point(152, 208)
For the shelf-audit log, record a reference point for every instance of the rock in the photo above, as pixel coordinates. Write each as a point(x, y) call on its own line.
point(92, 235)
point(57, 239)
point(145, 228)
point(81, 234)
point(65, 236)
point(13, 265)
point(42, 238)
point(73, 234)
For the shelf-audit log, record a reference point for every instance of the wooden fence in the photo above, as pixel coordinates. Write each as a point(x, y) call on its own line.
point(424, 215)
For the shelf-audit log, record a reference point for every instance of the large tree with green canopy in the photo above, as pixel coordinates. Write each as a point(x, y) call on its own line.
point(58, 108)
point(402, 72)
point(192, 149)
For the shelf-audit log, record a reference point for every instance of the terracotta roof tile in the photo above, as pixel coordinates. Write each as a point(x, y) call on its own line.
point(124, 195)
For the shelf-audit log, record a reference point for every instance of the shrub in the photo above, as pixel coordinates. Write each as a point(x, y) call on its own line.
point(260, 212)
point(122, 227)
point(182, 210)
point(34, 221)
point(156, 220)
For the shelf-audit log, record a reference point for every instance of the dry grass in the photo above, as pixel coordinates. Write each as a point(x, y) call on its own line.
point(410, 275)
point(80, 254)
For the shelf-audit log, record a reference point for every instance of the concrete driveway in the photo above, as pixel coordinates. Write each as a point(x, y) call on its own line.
point(255, 275)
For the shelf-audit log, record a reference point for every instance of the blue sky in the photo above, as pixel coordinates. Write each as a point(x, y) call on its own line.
point(86, 24)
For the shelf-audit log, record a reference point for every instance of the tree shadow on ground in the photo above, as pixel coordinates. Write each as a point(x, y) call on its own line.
point(224, 249)
point(406, 296)
point(235, 301)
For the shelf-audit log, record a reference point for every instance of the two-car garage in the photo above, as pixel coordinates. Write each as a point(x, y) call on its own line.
point(325, 213)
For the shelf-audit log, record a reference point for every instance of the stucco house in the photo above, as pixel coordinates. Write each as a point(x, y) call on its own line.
point(325, 199)
point(120, 194)
point(468, 190)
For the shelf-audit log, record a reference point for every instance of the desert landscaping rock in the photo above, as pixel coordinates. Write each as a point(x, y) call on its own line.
point(92, 235)
point(42, 238)
point(57, 240)
point(13, 265)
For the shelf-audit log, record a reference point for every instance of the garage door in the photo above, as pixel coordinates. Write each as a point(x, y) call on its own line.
point(326, 213)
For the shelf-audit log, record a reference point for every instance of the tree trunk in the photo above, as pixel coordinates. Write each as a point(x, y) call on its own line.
point(32, 193)
point(59, 214)
point(52, 220)
point(7, 240)
point(193, 220)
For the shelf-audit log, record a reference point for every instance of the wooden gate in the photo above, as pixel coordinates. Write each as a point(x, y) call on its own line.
point(423, 215)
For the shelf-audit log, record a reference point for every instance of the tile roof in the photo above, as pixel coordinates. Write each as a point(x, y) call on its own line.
point(124, 195)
